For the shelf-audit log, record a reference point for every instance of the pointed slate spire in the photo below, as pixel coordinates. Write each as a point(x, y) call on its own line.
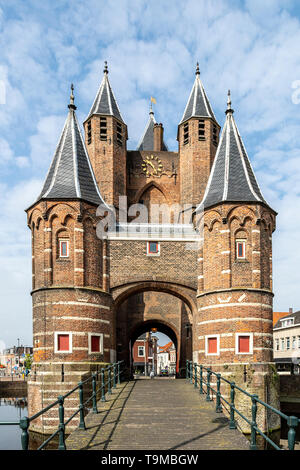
point(198, 104)
point(147, 140)
point(70, 175)
point(232, 178)
point(105, 102)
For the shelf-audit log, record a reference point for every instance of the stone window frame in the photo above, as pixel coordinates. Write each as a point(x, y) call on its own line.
point(141, 355)
point(242, 241)
point(60, 241)
point(149, 253)
point(90, 334)
point(56, 350)
point(237, 335)
point(217, 336)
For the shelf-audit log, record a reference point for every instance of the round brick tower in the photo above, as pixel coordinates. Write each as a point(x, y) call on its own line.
point(72, 321)
point(234, 324)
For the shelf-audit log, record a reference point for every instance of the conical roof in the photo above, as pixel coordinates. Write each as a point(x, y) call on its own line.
point(198, 104)
point(70, 174)
point(147, 140)
point(105, 102)
point(232, 178)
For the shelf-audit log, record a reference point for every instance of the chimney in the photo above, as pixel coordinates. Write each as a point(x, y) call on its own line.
point(158, 132)
point(291, 310)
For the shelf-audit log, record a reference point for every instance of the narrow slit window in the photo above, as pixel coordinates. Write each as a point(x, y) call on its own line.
point(89, 132)
point(215, 135)
point(103, 128)
point(186, 133)
point(63, 248)
point(241, 249)
point(201, 129)
point(119, 135)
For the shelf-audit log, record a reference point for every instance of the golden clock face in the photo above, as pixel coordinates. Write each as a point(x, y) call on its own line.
point(152, 166)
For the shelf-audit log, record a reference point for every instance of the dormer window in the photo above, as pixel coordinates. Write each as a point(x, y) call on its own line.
point(287, 322)
point(103, 128)
point(63, 248)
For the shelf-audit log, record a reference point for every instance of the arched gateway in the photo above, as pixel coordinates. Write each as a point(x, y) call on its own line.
point(94, 294)
point(169, 307)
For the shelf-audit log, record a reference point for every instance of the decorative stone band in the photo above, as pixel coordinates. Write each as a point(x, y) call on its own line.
point(236, 304)
point(96, 320)
point(71, 302)
point(223, 335)
point(234, 320)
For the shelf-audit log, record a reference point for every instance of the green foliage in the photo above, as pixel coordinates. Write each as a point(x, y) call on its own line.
point(28, 361)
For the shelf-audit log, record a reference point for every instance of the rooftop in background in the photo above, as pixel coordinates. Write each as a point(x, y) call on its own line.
point(293, 316)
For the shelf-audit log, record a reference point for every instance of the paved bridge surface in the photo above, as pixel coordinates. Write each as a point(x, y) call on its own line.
point(156, 415)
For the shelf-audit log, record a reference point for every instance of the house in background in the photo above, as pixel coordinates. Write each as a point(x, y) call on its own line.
point(166, 358)
point(286, 340)
point(144, 354)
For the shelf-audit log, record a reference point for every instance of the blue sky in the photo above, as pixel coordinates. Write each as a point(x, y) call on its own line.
point(251, 47)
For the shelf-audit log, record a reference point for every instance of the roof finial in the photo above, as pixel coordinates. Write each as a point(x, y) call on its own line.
point(151, 110)
point(72, 105)
point(105, 67)
point(197, 69)
point(229, 109)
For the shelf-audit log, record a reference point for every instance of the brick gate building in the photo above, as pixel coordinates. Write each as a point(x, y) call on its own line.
point(203, 276)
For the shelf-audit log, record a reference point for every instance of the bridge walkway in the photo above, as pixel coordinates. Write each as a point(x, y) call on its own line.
point(156, 415)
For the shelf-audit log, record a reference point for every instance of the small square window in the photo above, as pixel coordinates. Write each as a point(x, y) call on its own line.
point(63, 248)
point(153, 249)
point(95, 343)
point(241, 249)
point(63, 342)
point(212, 345)
point(244, 343)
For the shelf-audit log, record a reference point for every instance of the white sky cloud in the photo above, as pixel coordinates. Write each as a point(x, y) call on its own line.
point(151, 49)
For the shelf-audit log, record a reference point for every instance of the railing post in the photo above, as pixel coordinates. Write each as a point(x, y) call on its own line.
point(187, 370)
point(218, 398)
point(292, 424)
point(114, 375)
point(191, 372)
point(95, 410)
point(109, 380)
point(61, 414)
point(102, 386)
point(208, 385)
point(24, 425)
point(195, 381)
point(201, 380)
point(253, 445)
point(119, 380)
point(81, 407)
point(232, 424)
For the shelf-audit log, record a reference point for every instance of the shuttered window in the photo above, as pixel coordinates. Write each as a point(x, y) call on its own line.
point(63, 342)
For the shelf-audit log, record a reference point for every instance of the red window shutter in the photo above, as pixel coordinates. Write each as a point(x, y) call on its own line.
point(244, 344)
point(212, 345)
point(95, 343)
point(63, 343)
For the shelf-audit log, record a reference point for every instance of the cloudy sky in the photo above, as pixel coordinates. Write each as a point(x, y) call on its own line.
point(152, 46)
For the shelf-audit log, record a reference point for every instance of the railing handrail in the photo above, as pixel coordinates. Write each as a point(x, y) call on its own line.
point(292, 421)
point(25, 421)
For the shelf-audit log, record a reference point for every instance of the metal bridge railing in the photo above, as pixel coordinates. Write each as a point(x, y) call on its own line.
point(113, 377)
point(193, 377)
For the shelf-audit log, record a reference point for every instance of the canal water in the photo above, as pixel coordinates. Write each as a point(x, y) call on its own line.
point(11, 409)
